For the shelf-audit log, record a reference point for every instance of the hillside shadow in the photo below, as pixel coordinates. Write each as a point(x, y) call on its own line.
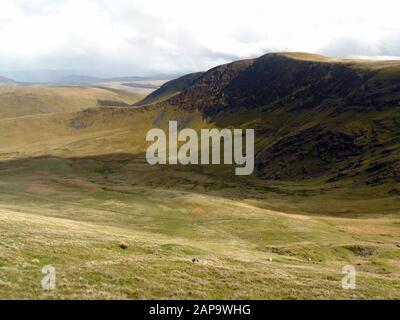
point(123, 172)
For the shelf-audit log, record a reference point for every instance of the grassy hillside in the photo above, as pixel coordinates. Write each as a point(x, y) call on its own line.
point(17, 101)
point(112, 131)
point(92, 131)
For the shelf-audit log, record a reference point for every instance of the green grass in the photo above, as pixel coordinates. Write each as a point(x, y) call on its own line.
point(22, 101)
point(73, 213)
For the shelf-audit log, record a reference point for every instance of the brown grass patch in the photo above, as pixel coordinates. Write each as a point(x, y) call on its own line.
point(79, 183)
point(39, 188)
point(197, 211)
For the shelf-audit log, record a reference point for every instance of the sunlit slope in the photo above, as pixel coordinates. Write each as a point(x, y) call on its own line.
point(17, 101)
point(87, 132)
point(74, 121)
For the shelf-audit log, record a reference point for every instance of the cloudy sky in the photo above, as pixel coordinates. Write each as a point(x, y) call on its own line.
point(130, 37)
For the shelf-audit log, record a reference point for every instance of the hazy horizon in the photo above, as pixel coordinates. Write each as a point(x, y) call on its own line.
point(62, 76)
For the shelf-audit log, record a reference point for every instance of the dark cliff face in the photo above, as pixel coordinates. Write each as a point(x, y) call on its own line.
point(277, 79)
point(207, 92)
point(312, 118)
point(270, 79)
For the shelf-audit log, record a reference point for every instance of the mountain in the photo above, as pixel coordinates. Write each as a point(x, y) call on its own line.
point(314, 116)
point(171, 88)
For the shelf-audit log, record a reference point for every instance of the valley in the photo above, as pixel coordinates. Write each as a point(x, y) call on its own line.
point(75, 184)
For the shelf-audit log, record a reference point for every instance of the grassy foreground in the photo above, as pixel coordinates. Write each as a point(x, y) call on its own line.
point(74, 213)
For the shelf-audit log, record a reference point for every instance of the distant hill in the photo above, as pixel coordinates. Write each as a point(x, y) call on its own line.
point(314, 116)
point(62, 77)
point(160, 76)
point(4, 80)
point(140, 85)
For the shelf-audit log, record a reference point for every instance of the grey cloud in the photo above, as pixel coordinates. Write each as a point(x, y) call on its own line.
point(345, 47)
point(349, 47)
point(390, 46)
point(148, 44)
point(142, 55)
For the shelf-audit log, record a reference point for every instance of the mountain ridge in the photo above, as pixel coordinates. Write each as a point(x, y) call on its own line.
point(314, 117)
point(170, 88)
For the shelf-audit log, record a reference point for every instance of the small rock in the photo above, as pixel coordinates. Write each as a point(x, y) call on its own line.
point(309, 259)
point(270, 259)
point(35, 261)
point(395, 192)
point(124, 245)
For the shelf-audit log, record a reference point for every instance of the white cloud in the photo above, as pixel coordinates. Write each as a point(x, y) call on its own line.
point(137, 37)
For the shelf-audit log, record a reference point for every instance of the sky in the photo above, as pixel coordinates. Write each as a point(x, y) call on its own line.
point(128, 37)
